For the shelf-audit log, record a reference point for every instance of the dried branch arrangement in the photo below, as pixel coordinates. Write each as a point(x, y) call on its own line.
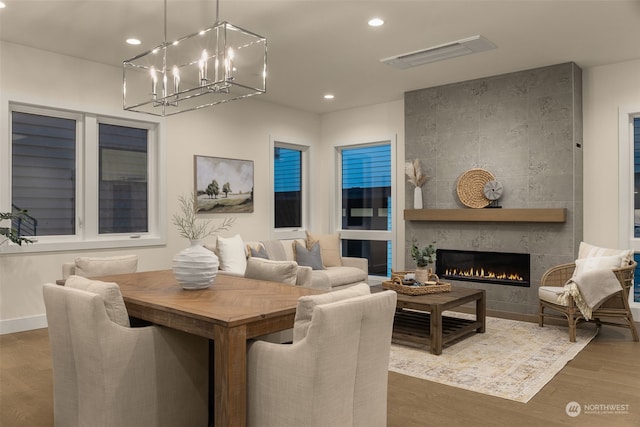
point(415, 174)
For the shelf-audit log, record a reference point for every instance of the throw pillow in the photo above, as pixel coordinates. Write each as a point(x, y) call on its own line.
point(586, 251)
point(306, 304)
point(106, 266)
point(272, 271)
point(232, 255)
point(110, 293)
point(329, 246)
point(309, 257)
point(258, 252)
point(585, 265)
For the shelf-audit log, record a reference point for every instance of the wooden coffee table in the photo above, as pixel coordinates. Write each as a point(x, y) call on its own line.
point(419, 320)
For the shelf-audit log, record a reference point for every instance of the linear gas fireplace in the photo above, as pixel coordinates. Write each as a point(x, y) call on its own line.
point(488, 267)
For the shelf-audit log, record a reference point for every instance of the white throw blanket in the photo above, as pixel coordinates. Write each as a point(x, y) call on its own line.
point(590, 289)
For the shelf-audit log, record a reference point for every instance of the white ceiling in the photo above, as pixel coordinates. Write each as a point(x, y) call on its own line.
point(320, 46)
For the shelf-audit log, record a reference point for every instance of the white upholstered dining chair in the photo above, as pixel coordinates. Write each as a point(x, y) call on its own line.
point(107, 374)
point(335, 372)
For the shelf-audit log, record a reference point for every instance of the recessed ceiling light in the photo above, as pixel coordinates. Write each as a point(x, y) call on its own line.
point(329, 96)
point(2, 5)
point(133, 41)
point(376, 22)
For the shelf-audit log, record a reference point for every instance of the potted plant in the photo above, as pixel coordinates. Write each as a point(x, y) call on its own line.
point(196, 267)
point(11, 233)
point(424, 257)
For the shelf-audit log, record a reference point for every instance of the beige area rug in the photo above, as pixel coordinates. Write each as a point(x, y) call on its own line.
point(512, 360)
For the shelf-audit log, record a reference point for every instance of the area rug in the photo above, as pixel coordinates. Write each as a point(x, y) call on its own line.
point(512, 360)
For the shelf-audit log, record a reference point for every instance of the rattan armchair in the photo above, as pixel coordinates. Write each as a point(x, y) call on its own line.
point(614, 311)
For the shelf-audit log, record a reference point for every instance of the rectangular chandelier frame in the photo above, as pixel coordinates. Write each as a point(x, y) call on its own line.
point(219, 64)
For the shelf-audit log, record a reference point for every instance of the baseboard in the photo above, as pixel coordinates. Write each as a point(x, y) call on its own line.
point(22, 324)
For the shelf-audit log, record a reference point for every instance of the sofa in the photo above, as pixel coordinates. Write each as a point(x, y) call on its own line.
point(316, 261)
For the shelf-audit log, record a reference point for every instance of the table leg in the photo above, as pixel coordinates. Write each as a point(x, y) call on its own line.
point(230, 382)
point(436, 329)
point(481, 312)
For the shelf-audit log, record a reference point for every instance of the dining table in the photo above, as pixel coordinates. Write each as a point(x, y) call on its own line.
point(230, 312)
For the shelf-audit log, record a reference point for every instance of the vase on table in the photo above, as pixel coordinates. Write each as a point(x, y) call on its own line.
point(196, 266)
point(417, 198)
point(425, 274)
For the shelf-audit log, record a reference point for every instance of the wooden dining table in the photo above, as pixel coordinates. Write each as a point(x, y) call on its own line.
point(229, 312)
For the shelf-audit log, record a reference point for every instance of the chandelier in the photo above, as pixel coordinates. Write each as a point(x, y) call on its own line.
point(218, 64)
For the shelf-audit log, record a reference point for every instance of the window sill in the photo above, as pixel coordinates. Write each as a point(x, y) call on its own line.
point(60, 245)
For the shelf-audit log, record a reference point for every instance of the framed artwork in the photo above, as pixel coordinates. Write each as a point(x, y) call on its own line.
point(223, 185)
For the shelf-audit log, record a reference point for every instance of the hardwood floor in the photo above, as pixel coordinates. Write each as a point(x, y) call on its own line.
point(607, 372)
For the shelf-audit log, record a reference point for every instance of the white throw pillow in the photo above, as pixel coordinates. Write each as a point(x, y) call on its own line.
point(585, 265)
point(231, 251)
point(306, 304)
point(106, 266)
point(272, 271)
point(588, 251)
point(110, 293)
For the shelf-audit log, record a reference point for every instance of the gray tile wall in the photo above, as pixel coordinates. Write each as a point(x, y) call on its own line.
point(526, 129)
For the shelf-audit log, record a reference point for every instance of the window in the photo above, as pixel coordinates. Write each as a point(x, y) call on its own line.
point(629, 187)
point(123, 179)
point(366, 204)
point(86, 181)
point(287, 178)
point(43, 173)
point(290, 183)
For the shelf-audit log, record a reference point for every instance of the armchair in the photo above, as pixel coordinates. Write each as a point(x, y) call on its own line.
point(106, 374)
point(335, 372)
point(615, 309)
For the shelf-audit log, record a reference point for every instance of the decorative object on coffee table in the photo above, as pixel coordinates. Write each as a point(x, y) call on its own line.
point(424, 258)
point(470, 188)
point(405, 287)
point(416, 177)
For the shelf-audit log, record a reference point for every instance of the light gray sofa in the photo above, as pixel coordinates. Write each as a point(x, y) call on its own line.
point(352, 271)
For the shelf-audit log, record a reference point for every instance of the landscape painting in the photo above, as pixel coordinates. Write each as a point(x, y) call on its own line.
point(223, 185)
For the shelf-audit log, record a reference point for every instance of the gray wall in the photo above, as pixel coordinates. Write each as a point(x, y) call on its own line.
point(526, 129)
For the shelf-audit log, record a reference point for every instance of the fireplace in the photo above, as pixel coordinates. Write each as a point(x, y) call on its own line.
point(502, 268)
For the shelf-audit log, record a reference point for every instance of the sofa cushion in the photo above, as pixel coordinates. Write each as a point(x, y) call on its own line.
point(306, 304)
point(104, 266)
point(272, 271)
point(587, 250)
point(329, 247)
point(551, 294)
point(309, 257)
point(339, 276)
point(110, 293)
point(231, 251)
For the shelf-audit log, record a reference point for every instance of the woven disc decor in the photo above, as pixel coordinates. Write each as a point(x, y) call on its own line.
point(470, 188)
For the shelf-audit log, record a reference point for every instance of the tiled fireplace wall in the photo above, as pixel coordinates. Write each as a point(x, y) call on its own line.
point(526, 129)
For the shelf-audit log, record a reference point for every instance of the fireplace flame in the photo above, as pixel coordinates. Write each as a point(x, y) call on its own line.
point(479, 273)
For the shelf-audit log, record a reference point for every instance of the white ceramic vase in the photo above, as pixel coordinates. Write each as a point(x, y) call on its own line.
point(417, 198)
point(196, 266)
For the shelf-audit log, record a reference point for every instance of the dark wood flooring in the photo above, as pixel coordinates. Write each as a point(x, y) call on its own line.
point(606, 372)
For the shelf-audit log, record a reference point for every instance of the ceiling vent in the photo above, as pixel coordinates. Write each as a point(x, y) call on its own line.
point(438, 53)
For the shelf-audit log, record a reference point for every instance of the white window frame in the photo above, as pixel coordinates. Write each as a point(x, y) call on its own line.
point(305, 149)
point(336, 208)
point(87, 154)
point(626, 185)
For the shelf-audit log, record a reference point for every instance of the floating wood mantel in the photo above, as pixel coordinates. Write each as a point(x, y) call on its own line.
point(487, 215)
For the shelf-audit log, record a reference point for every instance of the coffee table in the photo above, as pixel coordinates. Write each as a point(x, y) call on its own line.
point(419, 320)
